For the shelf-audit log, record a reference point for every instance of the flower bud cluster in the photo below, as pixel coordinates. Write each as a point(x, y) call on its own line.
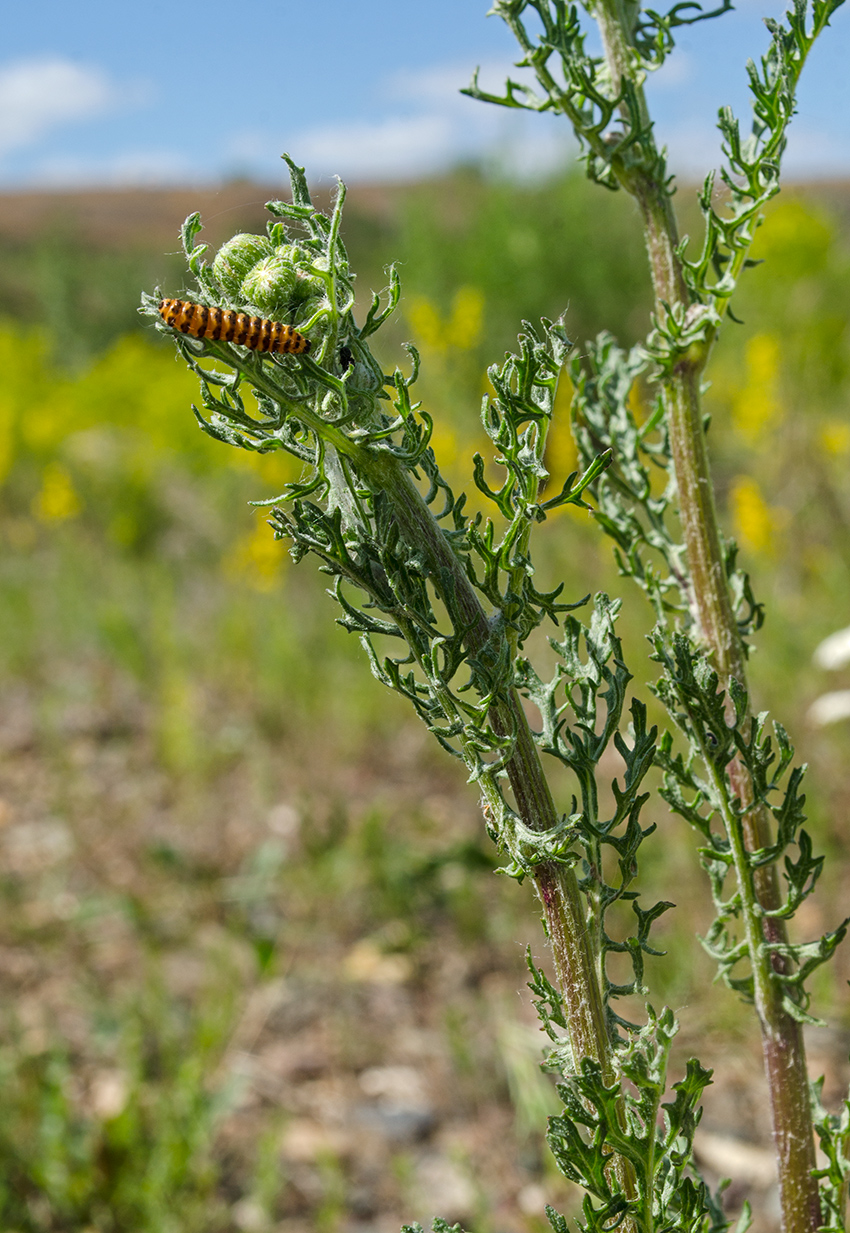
point(284, 281)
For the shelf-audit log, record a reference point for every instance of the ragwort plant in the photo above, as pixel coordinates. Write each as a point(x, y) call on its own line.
point(728, 783)
point(411, 570)
point(444, 603)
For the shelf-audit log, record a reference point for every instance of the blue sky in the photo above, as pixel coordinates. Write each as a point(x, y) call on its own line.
point(155, 93)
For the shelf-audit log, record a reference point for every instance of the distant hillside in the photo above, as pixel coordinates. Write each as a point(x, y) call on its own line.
point(150, 218)
point(75, 262)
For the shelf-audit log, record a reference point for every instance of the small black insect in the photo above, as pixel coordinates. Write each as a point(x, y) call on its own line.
point(346, 359)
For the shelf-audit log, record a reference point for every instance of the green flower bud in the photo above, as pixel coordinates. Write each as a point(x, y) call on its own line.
point(235, 259)
point(307, 286)
point(271, 286)
point(291, 253)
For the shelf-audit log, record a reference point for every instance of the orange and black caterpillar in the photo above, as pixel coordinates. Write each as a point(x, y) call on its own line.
point(255, 332)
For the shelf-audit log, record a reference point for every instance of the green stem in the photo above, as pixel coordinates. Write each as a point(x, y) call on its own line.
point(520, 553)
point(782, 1039)
point(573, 949)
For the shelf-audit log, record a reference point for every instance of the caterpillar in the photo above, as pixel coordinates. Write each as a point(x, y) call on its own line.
point(255, 332)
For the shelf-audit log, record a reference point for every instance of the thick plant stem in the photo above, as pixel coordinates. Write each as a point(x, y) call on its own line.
point(573, 946)
point(710, 601)
point(571, 938)
point(557, 884)
point(783, 1047)
point(782, 1037)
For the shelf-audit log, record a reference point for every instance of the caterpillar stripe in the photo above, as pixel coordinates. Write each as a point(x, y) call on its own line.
point(223, 323)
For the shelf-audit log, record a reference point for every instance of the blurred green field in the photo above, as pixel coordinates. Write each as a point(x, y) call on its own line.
point(257, 971)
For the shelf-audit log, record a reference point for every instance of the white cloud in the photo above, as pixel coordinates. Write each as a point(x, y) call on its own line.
point(677, 70)
point(398, 147)
point(693, 148)
point(439, 86)
point(430, 126)
point(141, 168)
point(814, 153)
point(41, 93)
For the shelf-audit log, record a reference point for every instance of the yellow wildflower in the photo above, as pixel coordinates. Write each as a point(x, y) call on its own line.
point(756, 523)
point(257, 558)
point(756, 407)
point(464, 330)
point(57, 500)
point(426, 323)
point(835, 437)
point(795, 240)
